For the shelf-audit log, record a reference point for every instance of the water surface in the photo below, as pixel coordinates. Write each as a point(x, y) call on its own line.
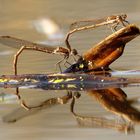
point(16, 19)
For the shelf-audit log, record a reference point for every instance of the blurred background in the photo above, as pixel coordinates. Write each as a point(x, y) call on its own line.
point(48, 21)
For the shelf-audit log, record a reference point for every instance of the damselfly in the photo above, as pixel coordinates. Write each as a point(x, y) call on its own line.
point(113, 21)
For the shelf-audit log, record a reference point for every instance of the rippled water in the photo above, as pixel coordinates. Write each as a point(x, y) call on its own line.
point(17, 19)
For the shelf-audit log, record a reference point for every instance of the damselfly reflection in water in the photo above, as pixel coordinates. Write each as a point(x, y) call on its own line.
point(97, 59)
point(112, 99)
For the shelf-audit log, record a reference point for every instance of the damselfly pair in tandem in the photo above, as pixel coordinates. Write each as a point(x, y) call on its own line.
point(90, 72)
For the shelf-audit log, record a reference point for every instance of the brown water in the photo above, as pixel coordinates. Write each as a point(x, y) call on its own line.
point(16, 18)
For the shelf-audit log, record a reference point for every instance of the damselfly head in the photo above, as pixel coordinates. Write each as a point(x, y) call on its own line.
point(124, 16)
point(121, 17)
point(74, 52)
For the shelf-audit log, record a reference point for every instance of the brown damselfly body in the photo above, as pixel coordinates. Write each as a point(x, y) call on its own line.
point(113, 19)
